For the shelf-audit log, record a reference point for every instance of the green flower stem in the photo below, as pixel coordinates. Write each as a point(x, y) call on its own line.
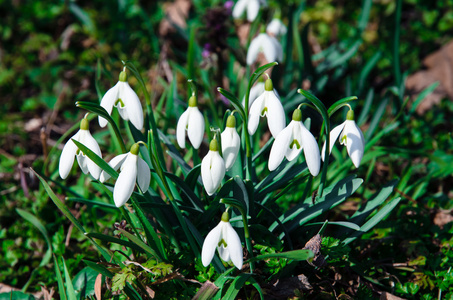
point(248, 242)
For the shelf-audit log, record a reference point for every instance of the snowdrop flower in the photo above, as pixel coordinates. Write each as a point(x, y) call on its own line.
point(252, 7)
point(123, 97)
point(290, 142)
point(191, 120)
point(276, 28)
point(227, 242)
point(230, 142)
point(269, 105)
point(212, 168)
point(132, 169)
point(351, 136)
point(267, 44)
point(70, 150)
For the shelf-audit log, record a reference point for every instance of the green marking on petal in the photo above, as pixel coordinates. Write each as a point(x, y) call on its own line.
point(343, 140)
point(222, 242)
point(120, 102)
point(263, 112)
point(294, 143)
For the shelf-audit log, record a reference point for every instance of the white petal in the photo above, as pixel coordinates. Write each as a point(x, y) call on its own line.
point(311, 151)
point(206, 174)
point(82, 161)
point(239, 8)
point(230, 146)
point(276, 27)
point(255, 91)
point(125, 183)
point(108, 101)
point(132, 105)
point(195, 127)
point(144, 175)
point(181, 129)
point(254, 49)
point(333, 136)
point(293, 152)
point(92, 144)
point(269, 48)
point(223, 253)
point(279, 148)
point(210, 244)
point(255, 114)
point(115, 163)
point(67, 157)
point(234, 245)
point(253, 8)
point(355, 142)
point(276, 119)
point(217, 169)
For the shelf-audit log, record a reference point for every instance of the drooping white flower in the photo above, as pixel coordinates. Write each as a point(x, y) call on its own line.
point(191, 120)
point(291, 141)
point(267, 44)
point(351, 136)
point(251, 6)
point(230, 142)
point(70, 150)
point(123, 97)
point(227, 242)
point(212, 168)
point(269, 105)
point(132, 169)
point(276, 28)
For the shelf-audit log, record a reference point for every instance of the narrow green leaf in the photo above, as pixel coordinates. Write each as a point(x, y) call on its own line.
point(61, 289)
point(138, 242)
point(236, 285)
point(234, 101)
point(151, 235)
point(111, 239)
point(69, 287)
point(298, 255)
point(99, 268)
point(349, 225)
point(37, 223)
point(60, 204)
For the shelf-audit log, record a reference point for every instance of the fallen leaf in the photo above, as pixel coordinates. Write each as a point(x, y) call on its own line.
point(439, 69)
point(314, 244)
point(442, 217)
point(98, 287)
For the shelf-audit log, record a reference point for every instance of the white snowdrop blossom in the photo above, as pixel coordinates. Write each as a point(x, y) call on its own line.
point(267, 44)
point(251, 6)
point(191, 120)
point(132, 169)
point(230, 142)
point(276, 28)
point(212, 168)
point(123, 97)
point(269, 105)
point(70, 150)
point(349, 135)
point(227, 242)
point(291, 141)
